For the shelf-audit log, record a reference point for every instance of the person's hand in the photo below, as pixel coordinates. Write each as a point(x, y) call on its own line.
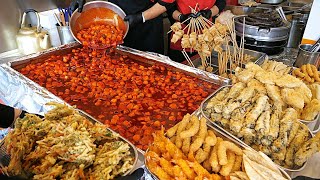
point(77, 4)
point(184, 17)
point(206, 13)
point(134, 19)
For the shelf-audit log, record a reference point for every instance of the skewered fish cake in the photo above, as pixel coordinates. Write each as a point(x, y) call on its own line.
point(176, 26)
point(177, 36)
point(185, 43)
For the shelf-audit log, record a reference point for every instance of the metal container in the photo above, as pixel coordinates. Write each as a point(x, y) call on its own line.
point(298, 24)
point(258, 58)
point(91, 14)
point(65, 34)
point(224, 136)
point(273, 2)
point(204, 104)
point(307, 57)
point(261, 33)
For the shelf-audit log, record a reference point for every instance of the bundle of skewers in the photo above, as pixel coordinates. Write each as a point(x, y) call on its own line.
point(204, 36)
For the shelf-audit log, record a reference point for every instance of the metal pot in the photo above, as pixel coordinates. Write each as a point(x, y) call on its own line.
point(262, 33)
point(91, 14)
point(271, 1)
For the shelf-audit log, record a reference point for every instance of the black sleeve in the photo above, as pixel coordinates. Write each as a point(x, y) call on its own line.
point(170, 12)
point(6, 116)
point(221, 4)
point(167, 5)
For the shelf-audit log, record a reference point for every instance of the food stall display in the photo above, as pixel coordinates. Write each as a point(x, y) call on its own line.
point(196, 150)
point(134, 98)
point(262, 108)
point(66, 145)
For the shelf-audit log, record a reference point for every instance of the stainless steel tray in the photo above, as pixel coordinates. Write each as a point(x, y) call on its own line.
point(258, 58)
point(223, 135)
point(204, 104)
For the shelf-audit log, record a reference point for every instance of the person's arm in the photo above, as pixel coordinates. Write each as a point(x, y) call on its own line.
point(157, 9)
point(154, 12)
point(216, 9)
point(8, 115)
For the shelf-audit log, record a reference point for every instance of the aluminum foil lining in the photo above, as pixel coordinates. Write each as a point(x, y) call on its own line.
point(20, 92)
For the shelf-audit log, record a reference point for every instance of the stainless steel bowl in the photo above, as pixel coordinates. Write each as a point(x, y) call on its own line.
point(95, 12)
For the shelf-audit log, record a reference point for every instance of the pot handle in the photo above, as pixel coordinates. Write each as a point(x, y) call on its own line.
point(264, 28)
point(23, 22)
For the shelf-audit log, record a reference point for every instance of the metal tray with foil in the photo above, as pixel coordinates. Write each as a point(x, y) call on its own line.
point(222, 134)
point(257, 58)
point(204, 104)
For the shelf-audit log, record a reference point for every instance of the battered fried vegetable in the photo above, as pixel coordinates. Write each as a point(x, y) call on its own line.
point(65, 145)
point(307, 150)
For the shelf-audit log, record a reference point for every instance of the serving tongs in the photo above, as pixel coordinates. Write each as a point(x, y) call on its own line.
point(316, 46)
point(281, 13)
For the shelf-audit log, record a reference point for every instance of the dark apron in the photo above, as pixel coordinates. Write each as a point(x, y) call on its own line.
point(146, 36)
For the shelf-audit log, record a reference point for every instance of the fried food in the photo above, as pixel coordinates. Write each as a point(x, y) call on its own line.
point(301, 136)
point(192, 130)
point(293, 98)
point(311, 110)
point(307, 149)
point(225, 146)
point(227, 168)
point(65, 144)
point(315, 90)
point(182, 125)
point(200, 137)
point(214, 161)
point(288, 81)
point(308, 73)
point(275, 66)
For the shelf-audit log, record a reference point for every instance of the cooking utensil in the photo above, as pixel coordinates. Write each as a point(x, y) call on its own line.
point(32, 39)
point(98, 12)
point(316, 46)
point(281, 13)
point(305, 56)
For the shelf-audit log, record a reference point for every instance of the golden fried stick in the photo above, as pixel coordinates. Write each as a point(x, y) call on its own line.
point(152, 162)
point(214, 161)
point(166, 166)
point(237, 164)
point(304, 71)
point(172, 131)
point(193, 129)
point(200, 171)
point(178, 173)
point(309, 70)
point(189, 172)
point(226, 169)
point(225, 146)
point(182, 125)
point(197, 143)
point(316, 73)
